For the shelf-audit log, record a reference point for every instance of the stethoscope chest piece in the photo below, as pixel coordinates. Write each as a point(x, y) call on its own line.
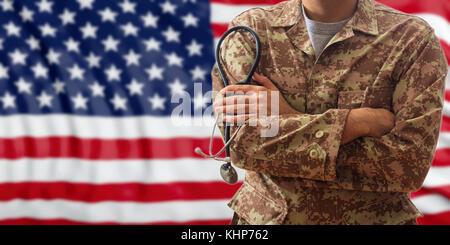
point(228, 174)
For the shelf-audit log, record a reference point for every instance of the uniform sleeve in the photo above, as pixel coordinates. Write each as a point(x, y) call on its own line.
point(306, 145)
point(400, 160)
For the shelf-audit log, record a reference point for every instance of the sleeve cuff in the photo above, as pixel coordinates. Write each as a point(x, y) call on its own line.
point(332, 143)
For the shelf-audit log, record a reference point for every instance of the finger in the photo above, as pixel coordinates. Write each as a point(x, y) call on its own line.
point(238, 119)
point(264, 81)
point(237, 109)
point(241, 89)
point(236, 100)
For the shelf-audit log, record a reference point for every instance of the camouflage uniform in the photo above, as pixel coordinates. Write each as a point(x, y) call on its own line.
point(382, 58)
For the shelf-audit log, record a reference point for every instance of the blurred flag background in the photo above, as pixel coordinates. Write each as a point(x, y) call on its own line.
point(85, 103)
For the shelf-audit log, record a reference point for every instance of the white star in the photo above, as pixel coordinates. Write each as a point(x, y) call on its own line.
point(79, 101)
point(58, 86)
point(155, 72)
point(93, 60)
point(39, 71)
point(67, 17)
point(150, 20)
point(194, 48)
point(129, 29)
point(193, 1)
point(85, 4)
point(171, 35)
point(97, 90)
point(128, 6)
point(17, 57)
point(135, 87)
point(53, 57)
point(119, 102)
point(76, 72)
point(8, 100)
point(190, 20)
point(176, 87)
point(3, 71)
point(47, 30)
point(12, 29)
point(113, 73)
point(152, 44)
point(167, 7)
point(1, 44)
point(44, 100)
point(26, 14)
point(173, 59)
point(198, 73)
point(23, 86)
point(200, 101)
point(72, 45)
point(110, 43)
point(7, 5)
point(45, 6)
point(132, 58)
point(89, 31)
point(108, 15)
point(33, 43)
point(157, 102)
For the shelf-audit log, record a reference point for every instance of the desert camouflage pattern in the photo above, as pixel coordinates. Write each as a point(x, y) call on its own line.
point(382, 58)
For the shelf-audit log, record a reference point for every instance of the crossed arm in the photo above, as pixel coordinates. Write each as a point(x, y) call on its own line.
point(390, 151)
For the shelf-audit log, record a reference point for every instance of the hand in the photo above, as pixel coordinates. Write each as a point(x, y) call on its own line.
point(250, 102)
point(367, 122)
point(380, 121)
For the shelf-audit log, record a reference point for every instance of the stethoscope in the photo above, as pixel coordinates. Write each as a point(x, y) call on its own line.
point(227, 171)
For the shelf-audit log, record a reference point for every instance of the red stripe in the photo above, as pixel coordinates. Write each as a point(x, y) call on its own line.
point(106, 149)
point(439, 7)
point(135, 192)
point(247, 2)
point(30, 221)
point(219, 29)
point(447, 95)
point(445, 124)
point(441, 190)
point(435, 219)
point(446, 49)
point(441, 158)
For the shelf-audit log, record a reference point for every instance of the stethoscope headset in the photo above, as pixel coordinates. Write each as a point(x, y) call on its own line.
point(227, 171)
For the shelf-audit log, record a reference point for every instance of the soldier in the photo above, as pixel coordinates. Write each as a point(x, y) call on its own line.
point(361, 94)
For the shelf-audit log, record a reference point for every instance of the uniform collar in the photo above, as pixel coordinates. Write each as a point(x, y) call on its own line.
point(363, 20)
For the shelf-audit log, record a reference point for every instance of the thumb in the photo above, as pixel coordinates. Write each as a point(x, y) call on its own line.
point(264, 81)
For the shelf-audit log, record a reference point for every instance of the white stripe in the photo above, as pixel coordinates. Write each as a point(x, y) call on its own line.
point(443, 140)
point(432, 204)
point(104, 127)
point(224, 13)
point(440, 25)
point(447, 80)
point(437, 176)
point(122, 212)
point(100, 172)
point(446, 108)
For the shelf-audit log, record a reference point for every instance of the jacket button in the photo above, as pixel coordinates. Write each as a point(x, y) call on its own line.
point(319, 133)
point(313, 153)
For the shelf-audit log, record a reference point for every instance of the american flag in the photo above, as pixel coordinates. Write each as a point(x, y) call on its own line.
point(86, 135)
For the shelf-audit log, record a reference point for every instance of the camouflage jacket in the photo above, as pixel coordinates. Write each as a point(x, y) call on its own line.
point(381, 58)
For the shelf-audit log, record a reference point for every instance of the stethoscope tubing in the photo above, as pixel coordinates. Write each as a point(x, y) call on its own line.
point(247, 79)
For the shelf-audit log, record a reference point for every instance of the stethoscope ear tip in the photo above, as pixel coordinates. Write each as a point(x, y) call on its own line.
point(198, 150)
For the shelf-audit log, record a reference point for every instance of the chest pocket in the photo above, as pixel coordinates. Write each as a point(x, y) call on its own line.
point(372, 96)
